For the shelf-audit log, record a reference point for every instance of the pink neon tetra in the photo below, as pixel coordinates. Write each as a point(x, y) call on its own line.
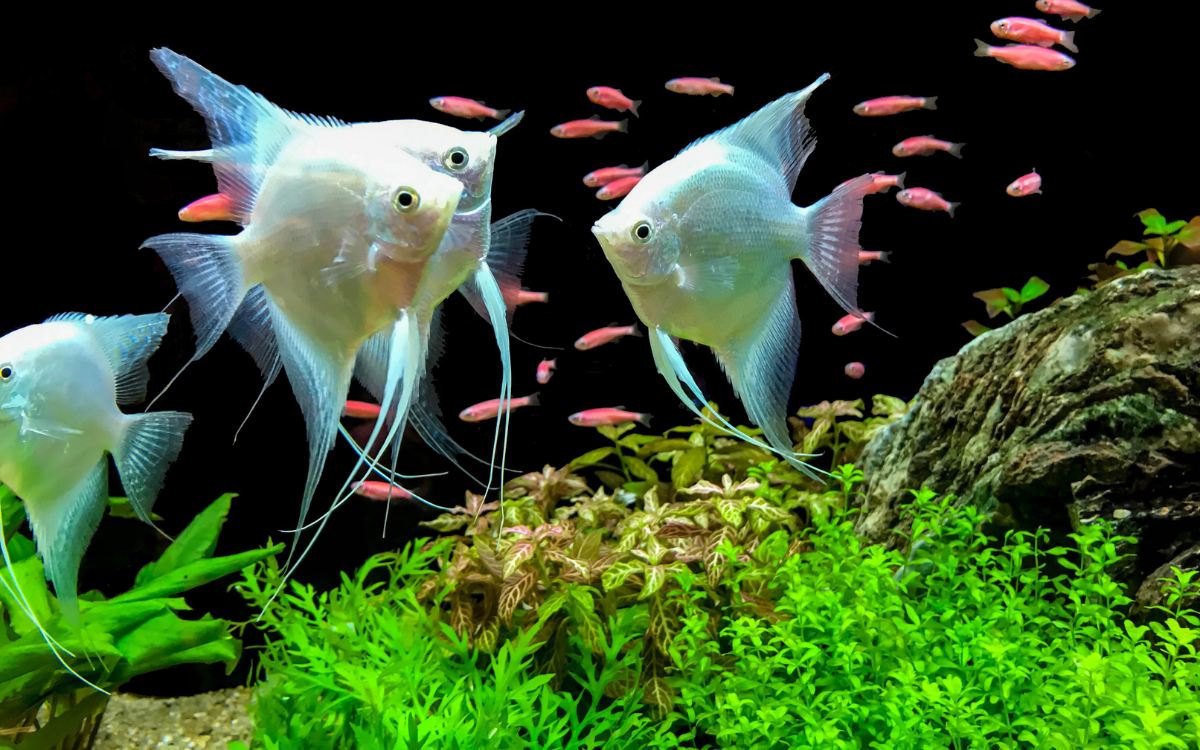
point(892, 105)
point(462, 107)
point(613, 99)
point(602, 417)
point(1027, 185)
point(926, 200)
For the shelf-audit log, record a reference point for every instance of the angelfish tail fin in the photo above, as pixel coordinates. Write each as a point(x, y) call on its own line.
point(762, 368)
point(150, 445)
point(208, 274)
point(831, 247)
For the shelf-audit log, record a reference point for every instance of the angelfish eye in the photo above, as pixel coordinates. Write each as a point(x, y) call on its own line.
point(6, 373)
point(456, 159)
point(642, 232)
point(406, 200)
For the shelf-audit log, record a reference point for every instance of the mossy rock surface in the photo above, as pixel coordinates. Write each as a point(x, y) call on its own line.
point(1086, 410)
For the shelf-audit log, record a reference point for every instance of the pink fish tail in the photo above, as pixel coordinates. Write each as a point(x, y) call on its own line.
point(930, 102)
point(900, 180)
point(500, 114)
point(982, 48)
point(1092, 13)
point(532, 400)
point(1068, 41)
point(956, 150)
point(953, 206)
point(644, 419)
point(883, 256)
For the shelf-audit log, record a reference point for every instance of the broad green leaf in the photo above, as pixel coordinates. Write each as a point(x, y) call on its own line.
point(612, 432)
point(1174, 226)
point(666, 446)
point(995, 299)
point(730, 510)
point(30, 580)
point(639, 488)
point(1012, 294)
point(853, 430)
point(635, 442)
point(638, 468)
point(119, 507)
point(591, 457)
point(1033, 289)
point(447, 522)
point(1127, 247)
point(166, 641)
point(60, 727)
point(1153, 220)
point(773, 548)
point(888, 406)
point(553, 603)
point(616, 574)
point(197, 542)
point(195, 574)
point(975, 328)
point(655, 576)
point(611, 479)
point(1189, 236)
point(690, 463)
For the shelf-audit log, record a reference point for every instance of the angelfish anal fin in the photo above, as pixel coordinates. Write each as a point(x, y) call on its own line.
point(63, 528)
point(761, 365)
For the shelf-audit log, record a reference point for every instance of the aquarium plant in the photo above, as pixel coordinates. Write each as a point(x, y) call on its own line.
point(147, 628)
point(1006, 300)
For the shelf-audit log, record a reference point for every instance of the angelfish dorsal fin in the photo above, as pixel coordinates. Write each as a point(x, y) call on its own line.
point(247, 131)
point(127, 341)
point(778, 134)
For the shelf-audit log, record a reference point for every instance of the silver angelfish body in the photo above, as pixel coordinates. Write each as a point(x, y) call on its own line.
point(703, 246)
point(61, 382)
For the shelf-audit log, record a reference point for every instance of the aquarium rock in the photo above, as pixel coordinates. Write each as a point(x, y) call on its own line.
point(1087, 410)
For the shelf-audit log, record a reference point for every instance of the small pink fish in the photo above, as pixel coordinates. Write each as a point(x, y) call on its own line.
point(524, 297)
point(545, 370)
point(1027, 185)
point(881, 183)
point(613, 99)
point(1068, 9)
point(491, 409)
point(699, 86)
point(1025, 56)
point(892, 105)
point(362, 410)
point(926, 200)
point(605, 335)
point(866, 256)
point(617, 188)
point(381, 490)
point(602, 417)
point(924, 145)
point(855, 370)
point(460, 107)
point(593, 126)
point(215, 207)
point(851, 323)
point(602, 177)
point(1032, 31)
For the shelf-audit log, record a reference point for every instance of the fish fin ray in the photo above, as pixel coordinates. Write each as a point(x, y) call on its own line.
point(719, 273)
point(762, 367)
point(832, 250)
point(246, 129)
point(208, 275)
point(507, 247)
point(151, 444)
point(778, 134)
point(509, 123)
point(128, 342)
point(63, 529)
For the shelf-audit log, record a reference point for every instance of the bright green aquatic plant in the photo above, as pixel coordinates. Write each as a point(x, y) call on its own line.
point(136, 632)
point(375, 665)
point(1169, 236)
point(840, 427)
point(1006, 300)
point(965, 642)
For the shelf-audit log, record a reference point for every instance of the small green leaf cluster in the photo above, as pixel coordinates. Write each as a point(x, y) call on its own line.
point(136, 632)
point(1175, 243)
point(375, 664)
point(1006, 300)
point(962, 642)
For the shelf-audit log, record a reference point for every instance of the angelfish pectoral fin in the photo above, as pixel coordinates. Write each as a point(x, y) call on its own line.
point(671, 366)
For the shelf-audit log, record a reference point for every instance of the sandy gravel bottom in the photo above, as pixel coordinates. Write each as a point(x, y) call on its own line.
point(206, 721)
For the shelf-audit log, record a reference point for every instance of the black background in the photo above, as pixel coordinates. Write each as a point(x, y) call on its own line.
point(1110, 137)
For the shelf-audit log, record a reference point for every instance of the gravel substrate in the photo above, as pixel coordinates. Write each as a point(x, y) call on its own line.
point(207, 722)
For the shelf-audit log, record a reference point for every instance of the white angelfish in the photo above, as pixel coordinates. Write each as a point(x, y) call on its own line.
point(61, 382)
point(244, 128)
point(339, 226)
point(703, 246)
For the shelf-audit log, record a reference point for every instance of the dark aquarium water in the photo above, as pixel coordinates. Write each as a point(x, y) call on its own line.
point(1109, 137)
